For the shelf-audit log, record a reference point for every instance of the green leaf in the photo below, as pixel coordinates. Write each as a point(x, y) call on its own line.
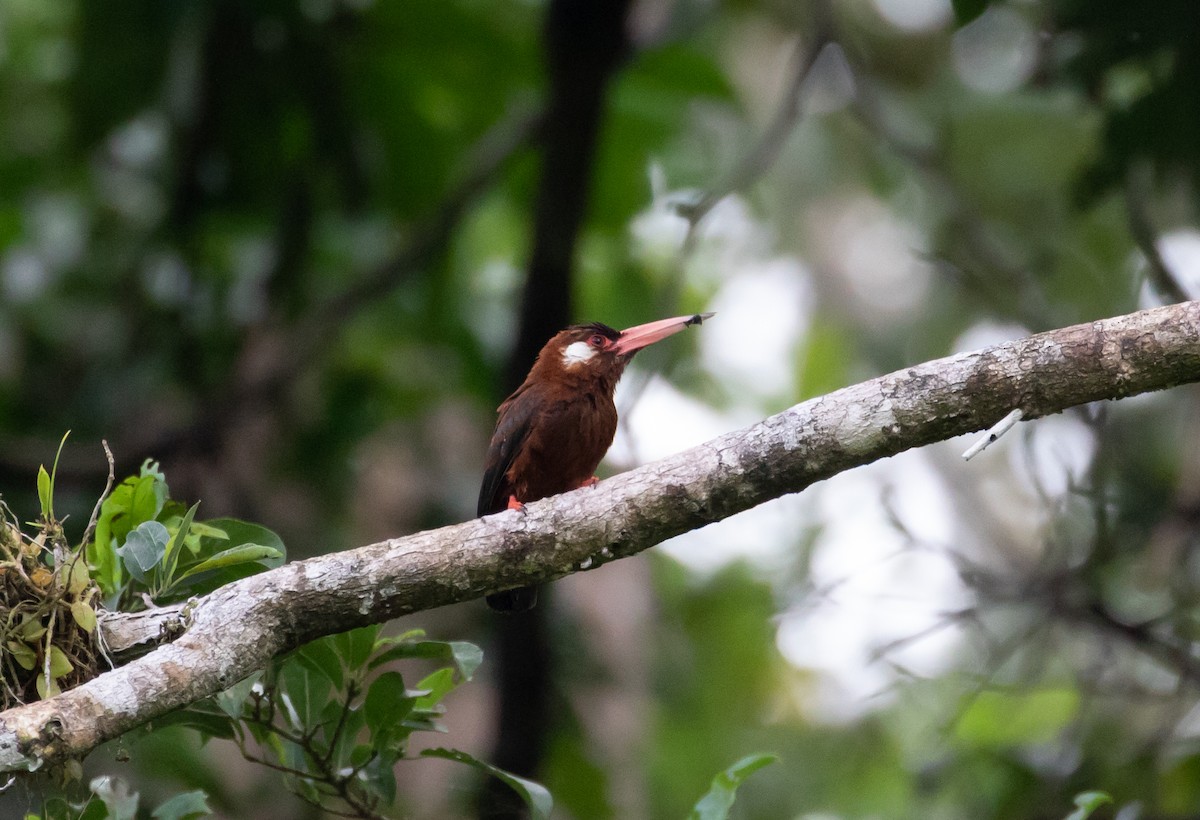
point(79, 578)
point(387, 703)
point(534, 794)
point(115, 794)
point(466, 656)
point(45, 492)
point(135, 500)
point(151, 468)
point(715, 805)
point(380, 775)
point(307, 693)
point(47, 496)
point(46, 691)
point(1086, 803)
point(321, 657)
point(57, 808)
point(144, 548)
point(242, 554)
point(183, 807)
point(149, 493)
point(94, 810)
point(238, 532)
point(60, 666)
point(171, 558)
point(436, 685)
point(353, 723)
point(31, 628)
point(205, 529)
point(356, 646)
point(233, 699)
point(84, 615)
point(995, 718)
point(208, 722)
point(220, 559)
point(25, 657)
point(967, 10)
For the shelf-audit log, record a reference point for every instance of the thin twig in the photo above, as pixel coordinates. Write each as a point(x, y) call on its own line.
point(351, 693)
point(91, 527)
point(1145, 237)
point(341, 785)
point(766, 151)
point(993, 434)
point(753, 165)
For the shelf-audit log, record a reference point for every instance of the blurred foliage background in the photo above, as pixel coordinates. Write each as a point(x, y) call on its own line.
point(298, 251)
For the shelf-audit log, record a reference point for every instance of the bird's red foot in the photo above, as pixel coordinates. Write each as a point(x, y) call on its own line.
point(513, 504)
point(590, 482)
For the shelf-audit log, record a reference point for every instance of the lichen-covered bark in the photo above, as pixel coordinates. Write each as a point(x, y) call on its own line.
point(238, 628)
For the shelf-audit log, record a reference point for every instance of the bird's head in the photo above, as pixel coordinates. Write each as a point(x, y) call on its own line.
point(597, 351)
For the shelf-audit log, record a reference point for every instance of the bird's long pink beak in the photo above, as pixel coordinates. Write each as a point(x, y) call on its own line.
point(635, 338)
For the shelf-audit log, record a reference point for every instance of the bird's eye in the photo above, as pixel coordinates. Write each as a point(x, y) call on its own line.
point(597, 340)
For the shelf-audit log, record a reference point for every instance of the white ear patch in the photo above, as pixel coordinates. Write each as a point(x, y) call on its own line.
point(577, 353)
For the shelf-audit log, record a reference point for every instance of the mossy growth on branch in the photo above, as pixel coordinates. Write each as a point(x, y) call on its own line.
point(139, 549)
point(48, 605)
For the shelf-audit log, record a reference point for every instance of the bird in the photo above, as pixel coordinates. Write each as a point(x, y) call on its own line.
point(553, 430)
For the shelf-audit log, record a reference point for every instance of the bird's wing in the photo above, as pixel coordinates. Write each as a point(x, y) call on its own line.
point(512, 429)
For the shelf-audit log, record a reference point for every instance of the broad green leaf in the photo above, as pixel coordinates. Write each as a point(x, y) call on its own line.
point(151, 468)
point(25, 657)
point(320, 656)
point(356, 646)
point(353, 723)
point(147, 499)
point(183, 807)
point(134, 501)
point(243, 554)
point(57, 808)
point(115, 794)
point(1013, 718)
point(144, 548)
point(45, 691)
point(44, 492)
point(466, 656)
point(307, 692)
point(31, 628)
point(307, 790)
point(84, 615)
point(1086, 803)
point(437, 685)
point(79, 578)
point(208, 722)
point(232, 699)
point(380, 775)
point(59, 664)
point(534, 794)
point(360, 754)
point(222, 562)
point(94, 810)
point(387, 703)
point(717, 802)
point(238, 532)
point(205, 529)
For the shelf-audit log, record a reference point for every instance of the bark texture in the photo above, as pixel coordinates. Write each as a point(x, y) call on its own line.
point(239, 628)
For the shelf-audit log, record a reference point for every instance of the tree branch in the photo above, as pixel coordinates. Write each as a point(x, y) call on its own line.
point(239, 628)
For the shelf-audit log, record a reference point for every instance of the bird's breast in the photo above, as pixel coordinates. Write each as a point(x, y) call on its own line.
point(566, 442)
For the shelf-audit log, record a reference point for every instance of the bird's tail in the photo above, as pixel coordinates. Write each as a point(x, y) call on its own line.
point(513, 600)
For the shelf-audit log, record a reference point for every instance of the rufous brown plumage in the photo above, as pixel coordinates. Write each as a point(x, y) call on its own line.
point(554, 429)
